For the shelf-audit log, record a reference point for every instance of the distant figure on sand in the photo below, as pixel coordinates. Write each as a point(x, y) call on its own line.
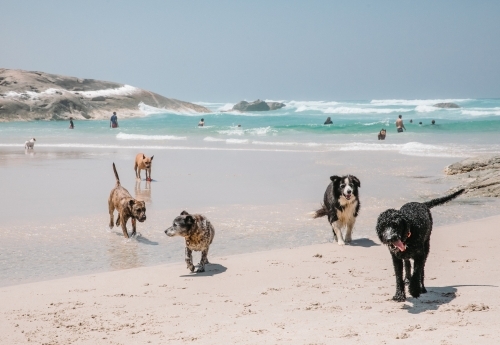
point(381, 134)
point(328, 121)
point(201, 123)
point(113, 122)
point(71, 125)
point(399, 124)
point(433, 122)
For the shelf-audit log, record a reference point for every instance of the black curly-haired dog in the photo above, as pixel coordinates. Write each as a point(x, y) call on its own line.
point(341, 204)
point(407, 233)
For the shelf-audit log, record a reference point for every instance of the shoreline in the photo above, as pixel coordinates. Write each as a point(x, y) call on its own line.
point(311, 294)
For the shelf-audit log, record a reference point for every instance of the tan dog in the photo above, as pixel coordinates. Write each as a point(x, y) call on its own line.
point(143, 163)
point(127, 207)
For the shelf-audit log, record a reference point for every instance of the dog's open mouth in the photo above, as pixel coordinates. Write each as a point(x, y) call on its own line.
point(348, 197)
point(398, 245)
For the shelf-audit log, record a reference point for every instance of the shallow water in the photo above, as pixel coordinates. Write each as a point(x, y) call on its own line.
point(56, 203)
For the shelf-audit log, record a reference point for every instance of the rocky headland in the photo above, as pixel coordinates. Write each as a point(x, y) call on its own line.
point(28, 96)
point(257, 105)
point(446, 105)
point(480, 176)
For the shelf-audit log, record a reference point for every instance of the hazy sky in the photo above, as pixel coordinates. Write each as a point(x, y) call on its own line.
point(231, 50)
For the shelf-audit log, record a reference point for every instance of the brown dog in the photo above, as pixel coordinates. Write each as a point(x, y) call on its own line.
point(127, 207)
point(143, 163)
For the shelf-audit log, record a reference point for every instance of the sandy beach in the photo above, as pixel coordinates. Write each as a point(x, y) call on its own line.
point(315, 294)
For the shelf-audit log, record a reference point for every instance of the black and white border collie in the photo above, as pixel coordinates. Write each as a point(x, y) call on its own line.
point(341, 204)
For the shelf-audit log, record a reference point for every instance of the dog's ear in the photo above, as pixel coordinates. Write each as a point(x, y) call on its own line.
point(356, 181)
point(152, 157)
point(143, 156)
point(334, 178)
point(183, 213)
point(131, 202)
point(189, 220)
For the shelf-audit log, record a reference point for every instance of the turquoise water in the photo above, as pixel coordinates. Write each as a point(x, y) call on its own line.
point(471, 129)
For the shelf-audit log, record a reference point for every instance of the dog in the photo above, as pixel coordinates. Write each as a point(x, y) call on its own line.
point(143, 163)
point(30, 144)
point(198, 233)
point(127, 207)
point(341, 204)
point(407, 233)
point(381, 134)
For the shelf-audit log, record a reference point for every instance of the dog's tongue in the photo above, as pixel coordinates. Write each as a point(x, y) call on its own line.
point(400, 245)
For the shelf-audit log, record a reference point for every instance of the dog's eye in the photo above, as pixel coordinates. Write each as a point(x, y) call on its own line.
point(342, 186)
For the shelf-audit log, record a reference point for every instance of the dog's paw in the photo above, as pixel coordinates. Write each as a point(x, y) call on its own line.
point(111, 226)
point(341, 243)
point(415, 290)
point(424, 290)
point(191, 268)
point(200, 269)
point(399, 297)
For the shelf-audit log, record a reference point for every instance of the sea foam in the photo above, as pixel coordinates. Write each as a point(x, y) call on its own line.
point(126, 136)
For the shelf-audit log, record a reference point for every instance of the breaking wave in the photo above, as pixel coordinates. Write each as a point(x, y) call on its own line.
point(126, 136)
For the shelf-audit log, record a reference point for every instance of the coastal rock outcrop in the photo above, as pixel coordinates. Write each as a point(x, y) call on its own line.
point(26, 96)
point(258, 105)
point(480, 175)
point(446, 105)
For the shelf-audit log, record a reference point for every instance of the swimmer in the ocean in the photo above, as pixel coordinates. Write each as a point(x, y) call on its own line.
point(328, 121)
point(399, 124)
point(71, 125)
point(433, 122)
point(201, 123)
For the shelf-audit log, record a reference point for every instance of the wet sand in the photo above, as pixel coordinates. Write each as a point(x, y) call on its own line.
point(317, 294)
point(56, 201)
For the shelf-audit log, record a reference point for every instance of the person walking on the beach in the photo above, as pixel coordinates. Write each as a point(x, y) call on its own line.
point(399, 124)
point(201, 123)
point(113, 122)
point(71, 126)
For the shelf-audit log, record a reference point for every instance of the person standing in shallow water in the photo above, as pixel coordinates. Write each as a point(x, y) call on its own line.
point(201, 123)
point(71, 125)
point(113, 122)
point(399, 124)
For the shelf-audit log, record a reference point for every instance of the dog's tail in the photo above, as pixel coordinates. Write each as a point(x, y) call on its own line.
point(323, 211)
point(116, 174)
point(440, 201)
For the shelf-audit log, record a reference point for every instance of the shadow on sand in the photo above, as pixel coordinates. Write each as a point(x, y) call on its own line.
point(363, 242)
point(434, 298)
point(210, 270)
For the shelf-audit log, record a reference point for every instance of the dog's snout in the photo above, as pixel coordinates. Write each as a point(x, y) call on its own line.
point(349, 192)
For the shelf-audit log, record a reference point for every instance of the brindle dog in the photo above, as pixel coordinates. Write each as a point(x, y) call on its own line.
point(198, 233)
point(127, 207)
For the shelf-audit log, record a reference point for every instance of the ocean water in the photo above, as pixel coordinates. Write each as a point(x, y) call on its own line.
point(471, 129)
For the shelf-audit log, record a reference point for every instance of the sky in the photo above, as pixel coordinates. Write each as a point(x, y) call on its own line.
point(227, 51)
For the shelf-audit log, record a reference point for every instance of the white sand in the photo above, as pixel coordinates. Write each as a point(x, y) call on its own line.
point(289, 296)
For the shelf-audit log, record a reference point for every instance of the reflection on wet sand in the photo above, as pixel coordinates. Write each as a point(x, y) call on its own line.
point(124, 254)
point(143, 194)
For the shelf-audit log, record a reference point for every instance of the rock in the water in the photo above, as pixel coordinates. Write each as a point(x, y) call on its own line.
point(257, 105)
point(480, 175)
point(26, 96)
point(446, 105)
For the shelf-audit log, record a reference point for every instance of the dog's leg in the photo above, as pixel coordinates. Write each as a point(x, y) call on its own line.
point(134, 224)
point(203, 261)
point(416, 278)
point(426, 253)
point(189, 259)
point(111, 209)
point(407, 272)
point(400, 295)
point(135, 170)
point(338, 234)
point(123, 221)
point(118, 220)
point(348, 233)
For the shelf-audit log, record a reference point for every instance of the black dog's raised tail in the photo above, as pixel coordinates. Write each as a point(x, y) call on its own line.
point(440, 201)
point(116, 174)
point(323, 211)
